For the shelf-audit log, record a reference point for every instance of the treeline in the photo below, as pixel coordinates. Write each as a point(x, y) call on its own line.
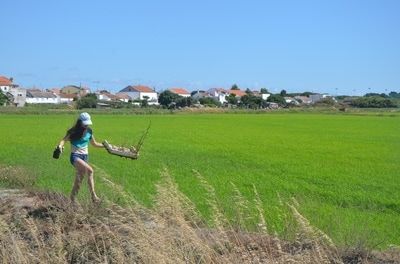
point(249, 100)
point(375, 100)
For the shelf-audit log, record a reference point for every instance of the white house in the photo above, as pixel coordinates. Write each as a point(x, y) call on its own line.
point(265, 96)
point(141, 92)
point(219, 94)
point(18, 95)
point(180, 91)
point(303, 99)
point(67, 98)
point(123, 97)
point(36, 96)
point(197, 95)
point(15, 94)
point(6, 84)
point(291, 100)
point(237, 93)
point(104, 96)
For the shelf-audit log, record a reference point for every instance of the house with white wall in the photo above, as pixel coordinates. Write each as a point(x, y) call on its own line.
point(218, 94)
point(265, 96)
point(303, 99)
point(104, 95)
point(18, 96)
point(15, 94)
point(291, 100)
point(238, 93)
point(67, 98)
point(197, 95)
point(123, 97)
point(6, 84)
point(180, 91)
point(36, 96)
point(141, 92)
point(318, 97)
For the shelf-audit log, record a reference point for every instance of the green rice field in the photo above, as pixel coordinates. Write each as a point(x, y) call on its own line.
point(343, 170)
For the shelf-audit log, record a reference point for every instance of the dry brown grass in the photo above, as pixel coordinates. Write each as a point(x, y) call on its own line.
point(15, 176)
point(37, 227)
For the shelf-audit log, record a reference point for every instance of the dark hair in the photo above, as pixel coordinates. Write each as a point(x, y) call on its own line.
point(76, 132)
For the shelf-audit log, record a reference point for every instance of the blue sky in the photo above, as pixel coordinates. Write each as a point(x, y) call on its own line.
point(337, 46)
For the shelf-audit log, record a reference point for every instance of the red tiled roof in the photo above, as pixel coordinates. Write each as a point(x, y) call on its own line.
point(122, 96)
point(179, 91)
point(5, 81)
point(237, 92)
point(138, 88)
point(109, 95)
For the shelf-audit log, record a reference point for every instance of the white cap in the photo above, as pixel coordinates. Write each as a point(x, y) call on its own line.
point(85, 118)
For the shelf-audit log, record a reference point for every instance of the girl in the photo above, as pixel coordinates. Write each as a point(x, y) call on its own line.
point(80, 135)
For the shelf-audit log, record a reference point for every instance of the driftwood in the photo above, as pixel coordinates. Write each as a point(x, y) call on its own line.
point(131, 152)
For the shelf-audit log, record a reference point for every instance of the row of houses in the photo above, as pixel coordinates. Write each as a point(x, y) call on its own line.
point(132, 93)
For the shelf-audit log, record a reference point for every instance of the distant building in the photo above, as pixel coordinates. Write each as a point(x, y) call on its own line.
point(141, 92)
point(265, 96)
point(6, 84)
point(18, 96)
point(303, 99)
point(237, 93)
point(105, 96)
point(122, 97)
point(34, 96)
point(55, 91)
point(318, 97)
point(67, 98)
point(180, 91)
point(70, 89)
point(15, 94)
point(291, 100)
point(197, 95)
point(218, 94)
point(73, 89)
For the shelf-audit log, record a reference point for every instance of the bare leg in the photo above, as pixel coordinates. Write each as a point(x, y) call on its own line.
point(77, 184)
point(83, 166)
point(95, 199)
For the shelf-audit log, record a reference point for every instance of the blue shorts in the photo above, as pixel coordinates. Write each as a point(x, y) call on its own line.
point(74, 156)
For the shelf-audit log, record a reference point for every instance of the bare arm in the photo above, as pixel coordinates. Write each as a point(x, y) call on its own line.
point(95, 143)
point(62, 142)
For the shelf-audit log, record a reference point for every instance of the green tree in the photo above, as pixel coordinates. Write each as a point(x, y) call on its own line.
point(167, 97)
point(264, 90)
point(374, 102)
point(3, 98)
point(251, 101)
point(144, 103)
point(394, 95)
point(184, 101)
point(87, 101)
point(248, 91)
point(326, 102)
point(276, 98)
point(376, 94)
point(208, 101)
point(306, 94)
point(283, 93)
point(232, 99)
point(235, 87)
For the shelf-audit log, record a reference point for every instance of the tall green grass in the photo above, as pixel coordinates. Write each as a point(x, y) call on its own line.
point(343, 169)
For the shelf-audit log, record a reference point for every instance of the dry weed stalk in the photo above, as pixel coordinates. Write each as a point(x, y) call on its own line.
point(49, 230)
